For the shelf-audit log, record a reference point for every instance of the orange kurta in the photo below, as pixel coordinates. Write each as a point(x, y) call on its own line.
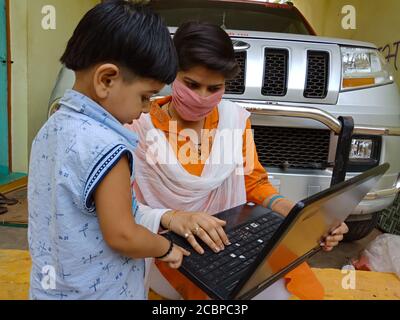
point(258, 188)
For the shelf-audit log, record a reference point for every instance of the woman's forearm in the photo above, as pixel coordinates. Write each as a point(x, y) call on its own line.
point(281, 205)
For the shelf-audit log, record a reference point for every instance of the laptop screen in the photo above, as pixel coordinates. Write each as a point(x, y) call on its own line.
point(304, 228)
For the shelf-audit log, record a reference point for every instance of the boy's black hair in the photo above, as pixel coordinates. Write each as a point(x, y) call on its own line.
point(207, 45)
point(127, 34)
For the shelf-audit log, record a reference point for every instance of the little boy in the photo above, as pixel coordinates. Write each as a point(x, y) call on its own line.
point(84, 235)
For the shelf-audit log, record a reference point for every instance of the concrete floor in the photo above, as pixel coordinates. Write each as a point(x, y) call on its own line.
point(16, 238)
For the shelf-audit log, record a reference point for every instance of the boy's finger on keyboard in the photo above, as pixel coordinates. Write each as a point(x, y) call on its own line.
point(184, 251)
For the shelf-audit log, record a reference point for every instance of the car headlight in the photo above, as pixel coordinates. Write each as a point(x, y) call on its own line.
point(365, 152)
point(364, 67)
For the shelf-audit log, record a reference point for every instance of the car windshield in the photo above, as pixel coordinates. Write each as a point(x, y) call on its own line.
point(232, 16)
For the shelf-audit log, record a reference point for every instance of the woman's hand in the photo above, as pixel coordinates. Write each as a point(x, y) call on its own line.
point(197, 224)
point(284, 206)
point(335, 237)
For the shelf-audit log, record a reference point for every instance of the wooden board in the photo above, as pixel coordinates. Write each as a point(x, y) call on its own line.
point(15, 269)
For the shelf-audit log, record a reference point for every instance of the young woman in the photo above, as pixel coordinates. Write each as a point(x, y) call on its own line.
point(197, 155)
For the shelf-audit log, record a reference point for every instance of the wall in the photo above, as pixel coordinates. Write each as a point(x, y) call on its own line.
point(19, 84)
point(36, 52)
point(377, 22)
point(3, 93)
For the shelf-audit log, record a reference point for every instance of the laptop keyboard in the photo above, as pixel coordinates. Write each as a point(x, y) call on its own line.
point(247, 242)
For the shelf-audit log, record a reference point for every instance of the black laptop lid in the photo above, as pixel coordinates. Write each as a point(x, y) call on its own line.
point(303, 229)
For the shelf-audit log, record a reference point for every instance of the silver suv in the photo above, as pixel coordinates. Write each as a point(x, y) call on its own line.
point(297, 85)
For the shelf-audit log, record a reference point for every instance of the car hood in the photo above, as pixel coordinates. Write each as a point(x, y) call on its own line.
point(293, 37)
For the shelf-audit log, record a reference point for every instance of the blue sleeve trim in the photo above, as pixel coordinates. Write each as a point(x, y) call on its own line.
point(100, 171)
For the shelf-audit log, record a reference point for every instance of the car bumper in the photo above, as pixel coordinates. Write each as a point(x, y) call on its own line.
point(300, 184)
point(378, 200)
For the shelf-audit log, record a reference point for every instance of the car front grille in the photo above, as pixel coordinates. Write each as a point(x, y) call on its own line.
point(275, 72)
point(292, 147)
point(317, 75)
point(237, 85)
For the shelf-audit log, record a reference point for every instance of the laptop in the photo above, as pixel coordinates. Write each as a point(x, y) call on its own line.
point(265, 246)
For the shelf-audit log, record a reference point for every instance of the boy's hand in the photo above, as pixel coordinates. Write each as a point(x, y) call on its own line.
point(174, 259)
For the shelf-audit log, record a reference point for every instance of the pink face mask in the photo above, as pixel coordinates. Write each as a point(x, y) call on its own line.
point(191, 106)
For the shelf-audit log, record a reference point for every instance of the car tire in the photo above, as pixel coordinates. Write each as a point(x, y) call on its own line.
point(360, 226)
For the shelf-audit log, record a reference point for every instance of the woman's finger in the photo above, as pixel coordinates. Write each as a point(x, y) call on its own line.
point(220, 222)
point(203, 235)
point(336, 238)
point(195, 245)
point(343, 229)
point(223, 236)
point(210, 227)
point(214, 235)
point(208, 216)
point(331, 243)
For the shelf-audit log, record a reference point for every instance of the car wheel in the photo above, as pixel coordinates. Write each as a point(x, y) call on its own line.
point(360, 226)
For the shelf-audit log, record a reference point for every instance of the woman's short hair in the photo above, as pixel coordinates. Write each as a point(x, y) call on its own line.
point(205, 44)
